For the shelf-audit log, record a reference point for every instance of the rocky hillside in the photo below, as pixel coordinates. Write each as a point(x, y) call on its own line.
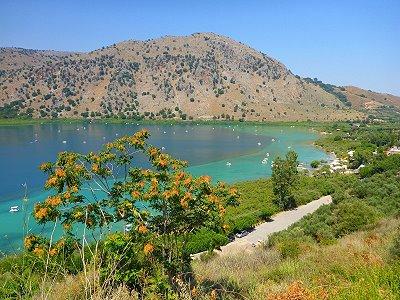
point(201, 76)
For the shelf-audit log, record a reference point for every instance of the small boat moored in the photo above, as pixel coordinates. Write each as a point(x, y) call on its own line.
point(14, 209)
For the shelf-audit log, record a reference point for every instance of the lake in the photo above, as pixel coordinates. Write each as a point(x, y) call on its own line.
point(229, 153)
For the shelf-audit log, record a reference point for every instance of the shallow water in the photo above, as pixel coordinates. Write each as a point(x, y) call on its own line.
point(207, 148)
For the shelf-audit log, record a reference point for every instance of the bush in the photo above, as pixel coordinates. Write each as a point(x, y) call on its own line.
point(352, 216)
point(315, 164)
point(266, 214)
point(246, 222)
point(289, 242)
point(204, 240)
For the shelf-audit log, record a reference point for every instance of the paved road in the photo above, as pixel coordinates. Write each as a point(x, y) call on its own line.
point(280, 221)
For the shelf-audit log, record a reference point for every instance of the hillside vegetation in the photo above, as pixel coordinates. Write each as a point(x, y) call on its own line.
point(201, 76)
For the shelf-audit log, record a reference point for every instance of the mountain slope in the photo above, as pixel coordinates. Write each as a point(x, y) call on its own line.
point(201, 76)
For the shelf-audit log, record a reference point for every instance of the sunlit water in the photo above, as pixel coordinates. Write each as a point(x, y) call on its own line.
point(228, 153)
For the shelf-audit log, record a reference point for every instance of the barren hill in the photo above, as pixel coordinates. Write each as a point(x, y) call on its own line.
point(201, 76)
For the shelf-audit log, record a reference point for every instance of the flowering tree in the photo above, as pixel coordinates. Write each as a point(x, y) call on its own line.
point(162, 204)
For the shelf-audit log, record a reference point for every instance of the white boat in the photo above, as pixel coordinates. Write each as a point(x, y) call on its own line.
point(228, 164)
point(14, 209)
point(273, 140)
point(259, 144)
point(264, 161)
point(64, 142)
point(128, 227)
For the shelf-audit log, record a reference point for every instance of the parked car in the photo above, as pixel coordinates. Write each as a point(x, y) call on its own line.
point(242, 233)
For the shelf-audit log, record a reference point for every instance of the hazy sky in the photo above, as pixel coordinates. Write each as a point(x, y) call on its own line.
point(340, 42)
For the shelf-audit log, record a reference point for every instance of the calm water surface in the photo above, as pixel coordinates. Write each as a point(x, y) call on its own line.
point(207, 148)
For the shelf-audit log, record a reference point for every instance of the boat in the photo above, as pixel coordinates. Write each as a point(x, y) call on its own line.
point(228, 164)
point(273, 140)
point(259, 144)
point(128, 227)
point(64, 142)
point(14, 209)
point(264, 161)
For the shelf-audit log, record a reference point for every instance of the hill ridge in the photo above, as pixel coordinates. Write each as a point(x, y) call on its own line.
point(199, 76)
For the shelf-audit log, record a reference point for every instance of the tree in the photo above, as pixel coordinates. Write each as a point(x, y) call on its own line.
point(315, 164)
point(284, 176)
point(162, 205)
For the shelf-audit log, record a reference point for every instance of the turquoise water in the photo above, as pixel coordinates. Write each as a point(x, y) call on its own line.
point(229, 153)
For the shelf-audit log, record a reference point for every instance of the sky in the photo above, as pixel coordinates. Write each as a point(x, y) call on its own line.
point(349, 42)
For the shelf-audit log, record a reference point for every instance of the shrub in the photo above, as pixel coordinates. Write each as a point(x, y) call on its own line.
point(246, 222)
point(315, 164)
point(289, 242)
point(205, 239)
point(352, 216)
point(266, 213)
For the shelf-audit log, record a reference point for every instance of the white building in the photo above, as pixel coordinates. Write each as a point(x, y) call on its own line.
point(393, 150)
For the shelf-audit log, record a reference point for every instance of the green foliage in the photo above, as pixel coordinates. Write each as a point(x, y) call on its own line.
point(255, 205)
point(332, 89)
point(284, 176)
point(289, 244)
point(315, 164)
point(357, 205)
point(386, 163)
point(350, 216)
point(244, 223)
point(205, 240)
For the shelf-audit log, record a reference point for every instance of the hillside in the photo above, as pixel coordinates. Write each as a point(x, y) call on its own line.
point(201, 76)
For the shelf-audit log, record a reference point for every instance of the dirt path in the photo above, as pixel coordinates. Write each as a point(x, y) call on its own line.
point(280, 221)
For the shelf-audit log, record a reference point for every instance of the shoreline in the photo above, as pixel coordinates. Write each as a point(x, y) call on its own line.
point(17, 121)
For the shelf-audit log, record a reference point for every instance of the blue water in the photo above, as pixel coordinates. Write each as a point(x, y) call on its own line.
point(207, 148)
